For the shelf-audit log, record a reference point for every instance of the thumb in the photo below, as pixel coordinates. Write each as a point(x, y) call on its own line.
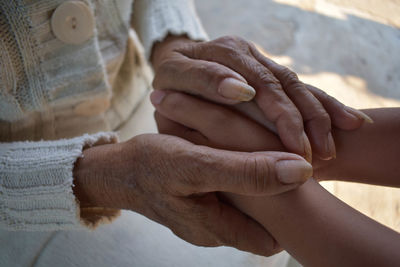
point(258, 173)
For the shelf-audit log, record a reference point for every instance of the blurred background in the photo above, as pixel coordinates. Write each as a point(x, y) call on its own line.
point(348, 48)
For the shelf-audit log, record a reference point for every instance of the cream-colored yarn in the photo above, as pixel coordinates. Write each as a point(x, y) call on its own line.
point(155, 19)
point(39, 74)
point(36, 182)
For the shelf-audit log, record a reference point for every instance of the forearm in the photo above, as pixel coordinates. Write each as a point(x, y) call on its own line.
point(320, 230)
point(369, 154)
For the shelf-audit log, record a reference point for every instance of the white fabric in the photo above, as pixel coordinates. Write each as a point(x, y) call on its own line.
point(131, 240)
point(36, 182)
point(36, 177)
point(155, 19)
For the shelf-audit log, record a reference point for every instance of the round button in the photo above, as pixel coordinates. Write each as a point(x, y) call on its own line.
point(73, 22)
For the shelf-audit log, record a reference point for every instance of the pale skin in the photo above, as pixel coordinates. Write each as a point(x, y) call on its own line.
point(145, 174)
point(310, 223)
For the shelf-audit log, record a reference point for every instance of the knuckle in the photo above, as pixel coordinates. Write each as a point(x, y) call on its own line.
point(268, 78)
point(322, 119)
point(290, 78)
point(323, 116)
point(256, 175)
point(229, 39)
point(187, 48)
point(212, 75)
point(263, 75)
point(233, 44)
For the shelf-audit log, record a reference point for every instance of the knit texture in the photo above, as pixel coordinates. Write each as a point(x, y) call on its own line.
point(39, 74)
point(40, 71)
point(153, 20)
point(36, 182)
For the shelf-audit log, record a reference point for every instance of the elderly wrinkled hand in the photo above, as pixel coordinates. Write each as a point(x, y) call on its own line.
point(174, 182)
point(229, 70)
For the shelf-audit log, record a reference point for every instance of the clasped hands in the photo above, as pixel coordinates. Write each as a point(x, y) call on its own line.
point(210, 143)
point(198, 91)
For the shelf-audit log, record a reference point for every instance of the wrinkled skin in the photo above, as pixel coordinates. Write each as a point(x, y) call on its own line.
point(301, 114)
point(173, 182)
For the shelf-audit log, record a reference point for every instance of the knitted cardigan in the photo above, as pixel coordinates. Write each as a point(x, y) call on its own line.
point(38, 71)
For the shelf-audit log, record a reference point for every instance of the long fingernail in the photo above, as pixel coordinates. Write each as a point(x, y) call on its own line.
point(359, 114)
point(157, 97)
point(293, 171)
point(330, 147)
point(234, 89)
point(307, 147)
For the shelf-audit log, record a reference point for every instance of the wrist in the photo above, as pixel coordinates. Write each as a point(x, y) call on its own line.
point(90, 177)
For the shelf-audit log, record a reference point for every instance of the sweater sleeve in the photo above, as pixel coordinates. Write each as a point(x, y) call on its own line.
point(36, 184)
point(153, 20)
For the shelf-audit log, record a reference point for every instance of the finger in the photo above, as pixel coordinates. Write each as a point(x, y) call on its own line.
point(316, 120)
point(271, 98)
point(208, 79)
point(206, 221)
point(256, 174)
point(252, 174)
point(167, 126)
point(235, 229)
point(221, 127)
point(342, 117)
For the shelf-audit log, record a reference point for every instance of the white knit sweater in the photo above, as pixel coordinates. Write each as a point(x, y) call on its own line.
point(38, 72)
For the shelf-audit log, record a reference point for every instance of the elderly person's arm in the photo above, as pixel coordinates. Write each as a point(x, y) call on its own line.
point(309, 222)
point(173, 182)
point(36, 185)
point(56, 185)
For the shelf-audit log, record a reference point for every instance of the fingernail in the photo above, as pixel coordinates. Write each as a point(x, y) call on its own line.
point(234, 89)
point(330, 147)
point(157, 97)
point(293, 171)
point(307, 147)
point(359, 114)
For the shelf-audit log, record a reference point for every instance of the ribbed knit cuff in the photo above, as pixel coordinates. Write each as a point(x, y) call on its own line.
point(153, 20)
point(36, 183)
